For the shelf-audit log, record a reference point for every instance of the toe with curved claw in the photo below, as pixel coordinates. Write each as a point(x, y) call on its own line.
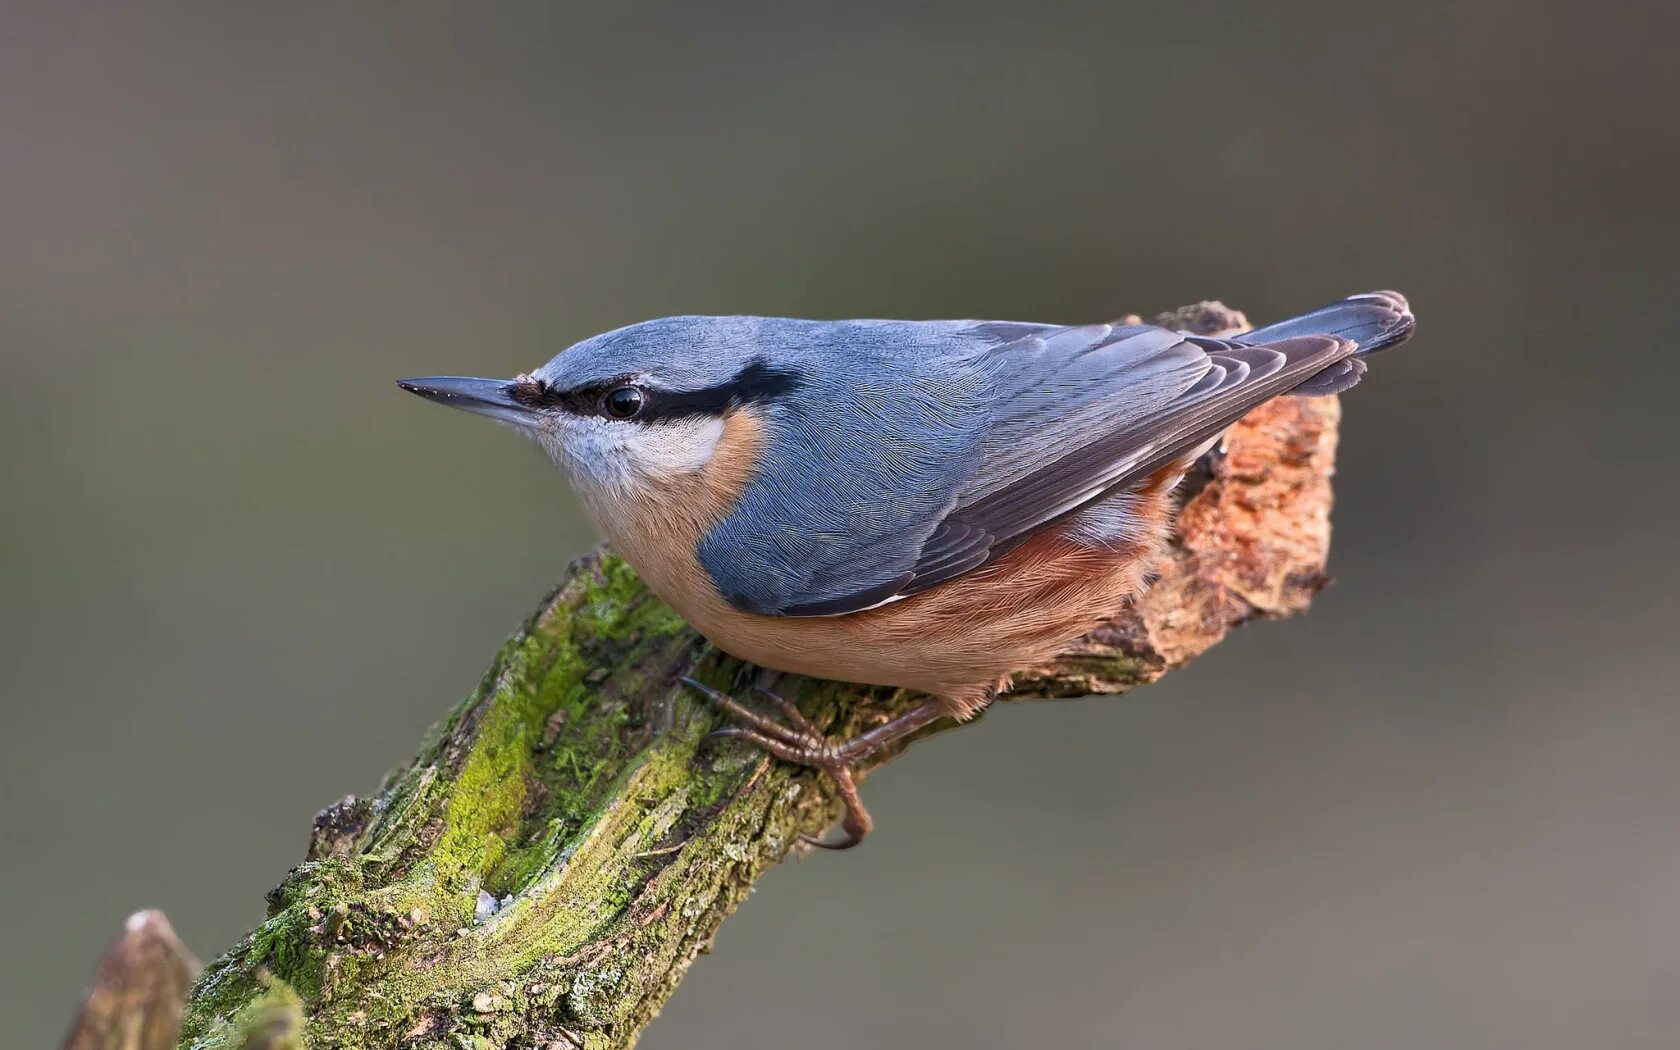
point(794, 738)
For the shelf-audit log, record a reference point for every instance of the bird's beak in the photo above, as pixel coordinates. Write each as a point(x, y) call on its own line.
point(487, 397)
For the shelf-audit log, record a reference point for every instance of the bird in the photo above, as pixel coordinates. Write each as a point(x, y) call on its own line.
point(927, 505)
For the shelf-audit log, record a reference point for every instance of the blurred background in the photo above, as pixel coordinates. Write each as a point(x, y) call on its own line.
point(242, 572)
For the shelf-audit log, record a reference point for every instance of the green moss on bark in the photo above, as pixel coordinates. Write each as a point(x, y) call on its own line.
point(569, 787)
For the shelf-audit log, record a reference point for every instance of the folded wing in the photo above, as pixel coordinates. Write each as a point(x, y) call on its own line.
point(1080, 414)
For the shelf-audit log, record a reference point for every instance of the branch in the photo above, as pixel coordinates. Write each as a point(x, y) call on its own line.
point(138, 991)
point(566, 843)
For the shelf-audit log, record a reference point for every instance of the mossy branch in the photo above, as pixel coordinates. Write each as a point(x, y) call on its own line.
point(568, 840)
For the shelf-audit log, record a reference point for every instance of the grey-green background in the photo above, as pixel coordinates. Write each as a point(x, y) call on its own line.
point(242, 572)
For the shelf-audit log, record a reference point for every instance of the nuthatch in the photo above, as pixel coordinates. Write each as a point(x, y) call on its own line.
point(930, 505)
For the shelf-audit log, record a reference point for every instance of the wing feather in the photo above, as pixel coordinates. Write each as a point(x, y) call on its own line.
point(1236, 379)
point(989, 431)
point(1159, 395)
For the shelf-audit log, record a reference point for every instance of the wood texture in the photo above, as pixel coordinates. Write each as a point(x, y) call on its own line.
point(138, 992)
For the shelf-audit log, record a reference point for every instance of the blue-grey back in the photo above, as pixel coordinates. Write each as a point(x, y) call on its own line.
point(862, 459)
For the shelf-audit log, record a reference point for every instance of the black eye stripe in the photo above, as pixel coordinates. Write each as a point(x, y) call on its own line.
point(756, 383)
point(534, 393)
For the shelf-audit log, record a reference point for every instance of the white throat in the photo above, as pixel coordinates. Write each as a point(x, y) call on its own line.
point(616, 456)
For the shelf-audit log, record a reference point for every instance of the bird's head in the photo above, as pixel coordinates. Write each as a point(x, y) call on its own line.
point(637, 406)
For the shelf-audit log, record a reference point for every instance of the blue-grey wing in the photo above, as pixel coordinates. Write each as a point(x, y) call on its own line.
point(924, 452)
point(1078, 423)
point(1083, 413)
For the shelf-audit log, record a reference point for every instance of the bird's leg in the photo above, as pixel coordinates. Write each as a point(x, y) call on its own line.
point(799, 741)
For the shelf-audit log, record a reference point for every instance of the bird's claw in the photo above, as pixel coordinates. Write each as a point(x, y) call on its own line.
point(798, 740)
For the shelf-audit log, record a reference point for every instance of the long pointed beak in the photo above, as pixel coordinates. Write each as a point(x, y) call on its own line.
point(487, 397)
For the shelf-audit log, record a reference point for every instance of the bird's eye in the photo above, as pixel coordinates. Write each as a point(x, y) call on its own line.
point(623, 402)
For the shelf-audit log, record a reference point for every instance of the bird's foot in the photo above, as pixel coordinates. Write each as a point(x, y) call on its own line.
point(794, 738)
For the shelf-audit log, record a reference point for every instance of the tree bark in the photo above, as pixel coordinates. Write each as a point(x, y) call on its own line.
point(568, 840)
point(138, 992)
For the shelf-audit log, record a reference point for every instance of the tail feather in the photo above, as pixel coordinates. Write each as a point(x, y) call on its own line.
point(1376, 321)
point(1372, 322)
point(1339, 378)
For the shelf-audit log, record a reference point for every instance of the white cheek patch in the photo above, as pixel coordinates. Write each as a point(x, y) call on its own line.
point(615, 454)
point(675, 447)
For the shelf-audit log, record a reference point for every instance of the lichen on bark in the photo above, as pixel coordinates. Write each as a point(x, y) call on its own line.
point(568, 839)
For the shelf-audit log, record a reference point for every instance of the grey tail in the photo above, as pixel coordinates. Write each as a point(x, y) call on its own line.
point(1373, 322)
